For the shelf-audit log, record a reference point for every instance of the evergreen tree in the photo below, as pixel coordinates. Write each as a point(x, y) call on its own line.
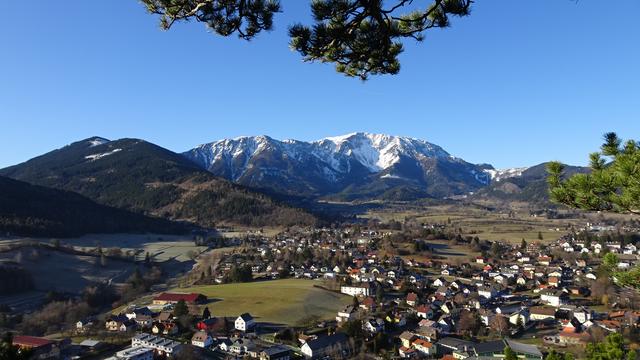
point(612, 185)
point(509, 354)
point(355, 301)
point(180, 309)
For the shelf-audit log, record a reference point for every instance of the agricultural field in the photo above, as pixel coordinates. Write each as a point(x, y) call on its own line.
point(286, 301)
point(161, 248)
point(54, 270)
point(508, 226)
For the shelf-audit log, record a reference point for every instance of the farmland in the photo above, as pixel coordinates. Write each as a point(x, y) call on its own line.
point(507, 226)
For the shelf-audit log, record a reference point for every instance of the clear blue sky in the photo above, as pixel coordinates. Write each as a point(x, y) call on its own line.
point(514, 84)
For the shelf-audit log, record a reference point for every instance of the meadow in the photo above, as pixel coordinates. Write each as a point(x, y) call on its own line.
point(286, 301)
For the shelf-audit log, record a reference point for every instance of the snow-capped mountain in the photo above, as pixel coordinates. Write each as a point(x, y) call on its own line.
point(349, 166)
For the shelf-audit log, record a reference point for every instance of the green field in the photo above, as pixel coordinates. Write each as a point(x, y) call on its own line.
point(280, 301)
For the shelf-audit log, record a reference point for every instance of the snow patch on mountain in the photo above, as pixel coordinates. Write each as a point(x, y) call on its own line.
point(501, 174)
point(94, 157)
point(97, 141)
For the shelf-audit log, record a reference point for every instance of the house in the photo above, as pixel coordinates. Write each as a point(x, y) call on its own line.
point(42, 348)
point(487, 292)
point(424, 347)
point(407, 338)
point(544, 260)
point(335, 346)
point(368, 304)
point(245, 322)
point(83, 325)
point(128, 325)
point(276, 352)
point(541, 313)
point(174, 298)
point(496, 349)
point(242, 347)
point(134, 353)
point(92, 345)
point(346, 314)
point(553, 297)
point(201, 339)
point(424, 312)
point(439, 282)
point(160, 345)
point(143, 321)
point(554, 281)
point(166, 328)
point(407, 353)
point(224, 344)
point(133, 314)
point(520, 317)
point(120, 323)
point(365, 289)
point(373, 326)
point(412, 299)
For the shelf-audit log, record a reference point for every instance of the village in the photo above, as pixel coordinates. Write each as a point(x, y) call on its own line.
point(397, 297)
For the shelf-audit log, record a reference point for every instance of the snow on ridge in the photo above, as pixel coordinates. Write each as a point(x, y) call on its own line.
point(376, 152)
point(97, 141)
point(501, 174)
point(94, 157)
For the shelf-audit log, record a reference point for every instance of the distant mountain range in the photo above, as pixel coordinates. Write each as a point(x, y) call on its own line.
point(235, 181)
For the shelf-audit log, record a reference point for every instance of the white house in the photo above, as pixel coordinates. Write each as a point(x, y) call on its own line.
point(356, 290)
point(201, 339)
point(245, 322)
point(553, 298)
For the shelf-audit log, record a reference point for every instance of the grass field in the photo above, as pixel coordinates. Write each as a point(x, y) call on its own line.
point(284, 301)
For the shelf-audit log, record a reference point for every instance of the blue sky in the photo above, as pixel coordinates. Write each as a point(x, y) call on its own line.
point(514, 84)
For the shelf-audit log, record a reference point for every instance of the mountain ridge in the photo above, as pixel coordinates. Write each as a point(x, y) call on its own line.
point(359, 164)
point(142, 177)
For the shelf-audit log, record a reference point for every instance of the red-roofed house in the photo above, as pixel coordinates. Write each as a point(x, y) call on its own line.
point(42, 348)
point(412, 299)
point(173, 298)
point(424, 347)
